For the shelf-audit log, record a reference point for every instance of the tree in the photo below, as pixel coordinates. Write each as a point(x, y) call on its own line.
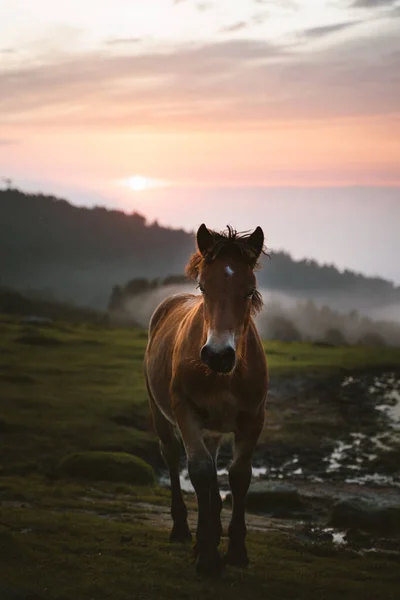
point(7, 182)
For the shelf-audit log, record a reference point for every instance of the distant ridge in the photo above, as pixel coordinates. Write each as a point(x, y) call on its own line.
point(79, 254)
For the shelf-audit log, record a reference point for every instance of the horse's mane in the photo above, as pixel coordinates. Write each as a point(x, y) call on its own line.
point(229, 243)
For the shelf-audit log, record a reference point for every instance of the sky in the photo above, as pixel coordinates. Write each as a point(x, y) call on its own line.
point(284, 113)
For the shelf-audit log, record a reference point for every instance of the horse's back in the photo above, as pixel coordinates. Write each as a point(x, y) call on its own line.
point(164, 326)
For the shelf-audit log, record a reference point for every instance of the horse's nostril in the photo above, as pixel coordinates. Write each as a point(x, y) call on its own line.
point(229, 355)
point(221, 362)
point(228, 359)
point(205, 354)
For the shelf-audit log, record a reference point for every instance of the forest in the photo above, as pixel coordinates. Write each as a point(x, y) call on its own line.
point(79, 254)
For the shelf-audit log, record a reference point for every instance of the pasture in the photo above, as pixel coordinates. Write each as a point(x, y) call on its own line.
point(79, 388)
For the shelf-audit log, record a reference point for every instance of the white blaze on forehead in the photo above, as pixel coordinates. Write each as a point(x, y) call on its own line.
point(229, 271)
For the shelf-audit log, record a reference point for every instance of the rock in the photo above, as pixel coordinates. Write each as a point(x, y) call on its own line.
point(357, 513)
point(108, 466)
point(275, 498)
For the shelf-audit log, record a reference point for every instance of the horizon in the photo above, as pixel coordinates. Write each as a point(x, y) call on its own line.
point(281, 110)
point(294, 252)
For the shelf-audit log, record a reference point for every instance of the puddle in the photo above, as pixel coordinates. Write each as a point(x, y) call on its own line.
point(392, 408)
point(338, 537)
point(387, 390)
point(354, 456)
point(187, 486)
point(357, 458)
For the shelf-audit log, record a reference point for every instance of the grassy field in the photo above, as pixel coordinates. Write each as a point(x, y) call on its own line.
point(68, 388)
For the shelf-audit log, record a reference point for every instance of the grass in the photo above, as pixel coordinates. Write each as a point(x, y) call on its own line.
point(68, 555)
point(291, 357)
point(79, 388)
point(67, 397)
point(107, 466)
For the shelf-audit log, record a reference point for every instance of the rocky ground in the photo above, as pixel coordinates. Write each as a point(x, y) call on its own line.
point(337, 476)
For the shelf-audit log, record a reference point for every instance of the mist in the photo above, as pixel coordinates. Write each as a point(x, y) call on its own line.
point(286, 317)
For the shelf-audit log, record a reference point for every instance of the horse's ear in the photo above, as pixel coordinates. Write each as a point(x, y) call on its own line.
point(204, 239)
point(256, 241)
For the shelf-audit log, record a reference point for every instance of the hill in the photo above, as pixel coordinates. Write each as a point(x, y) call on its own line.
point(33, 307)
point(79, 254)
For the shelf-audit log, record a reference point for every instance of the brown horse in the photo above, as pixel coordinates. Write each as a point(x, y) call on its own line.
point(206, 375)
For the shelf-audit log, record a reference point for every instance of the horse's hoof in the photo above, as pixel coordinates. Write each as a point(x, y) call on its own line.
point(180, 533)
point(209, 566)
point(237, 558)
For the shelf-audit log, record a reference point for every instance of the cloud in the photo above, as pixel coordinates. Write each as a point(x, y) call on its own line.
point(67, 89)
point(234, 83)
point(235, 27)
point(373, 3)
point(256, 19)
point(322, 30)
point(286, 4)
point(122, 41)
point(203, 6)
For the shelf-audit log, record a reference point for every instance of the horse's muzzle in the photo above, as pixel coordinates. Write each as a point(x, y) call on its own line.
point(221, 361)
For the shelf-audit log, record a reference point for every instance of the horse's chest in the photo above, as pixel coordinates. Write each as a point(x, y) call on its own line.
point(220, 412)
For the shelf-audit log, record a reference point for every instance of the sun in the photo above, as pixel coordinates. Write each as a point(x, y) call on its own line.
point(138, 183)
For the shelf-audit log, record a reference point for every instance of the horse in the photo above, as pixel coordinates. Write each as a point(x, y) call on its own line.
point(206, 376)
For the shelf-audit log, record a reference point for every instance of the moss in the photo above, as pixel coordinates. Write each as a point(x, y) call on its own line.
point(107, 466)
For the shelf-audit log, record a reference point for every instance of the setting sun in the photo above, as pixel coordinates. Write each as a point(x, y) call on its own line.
point(138, 183)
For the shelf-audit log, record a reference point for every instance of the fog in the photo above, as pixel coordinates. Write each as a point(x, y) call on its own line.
point(332, 320)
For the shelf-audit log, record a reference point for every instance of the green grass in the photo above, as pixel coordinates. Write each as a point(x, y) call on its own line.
point(290, 357)
point(107, 466)
point(78, 388)
point(70, 555)
point(71, 396)
point(73, 388)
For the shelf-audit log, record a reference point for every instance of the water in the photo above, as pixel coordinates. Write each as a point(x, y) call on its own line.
point(187, 486)
point(352, 455)
point(355, 459)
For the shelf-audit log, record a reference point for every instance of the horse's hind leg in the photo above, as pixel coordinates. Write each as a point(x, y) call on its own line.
point(171, 452)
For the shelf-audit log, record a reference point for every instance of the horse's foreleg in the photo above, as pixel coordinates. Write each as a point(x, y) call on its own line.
point(212, 444)
point(171, 452)
point(203, 476)
point(240, 473)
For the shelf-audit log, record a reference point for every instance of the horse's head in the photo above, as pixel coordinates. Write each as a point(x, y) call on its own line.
point(224, 266)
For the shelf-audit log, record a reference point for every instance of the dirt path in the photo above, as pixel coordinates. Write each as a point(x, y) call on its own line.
point(159, 516)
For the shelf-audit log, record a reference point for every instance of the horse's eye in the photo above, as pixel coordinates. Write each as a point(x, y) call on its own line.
point(201, 288)
point(250, 294)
